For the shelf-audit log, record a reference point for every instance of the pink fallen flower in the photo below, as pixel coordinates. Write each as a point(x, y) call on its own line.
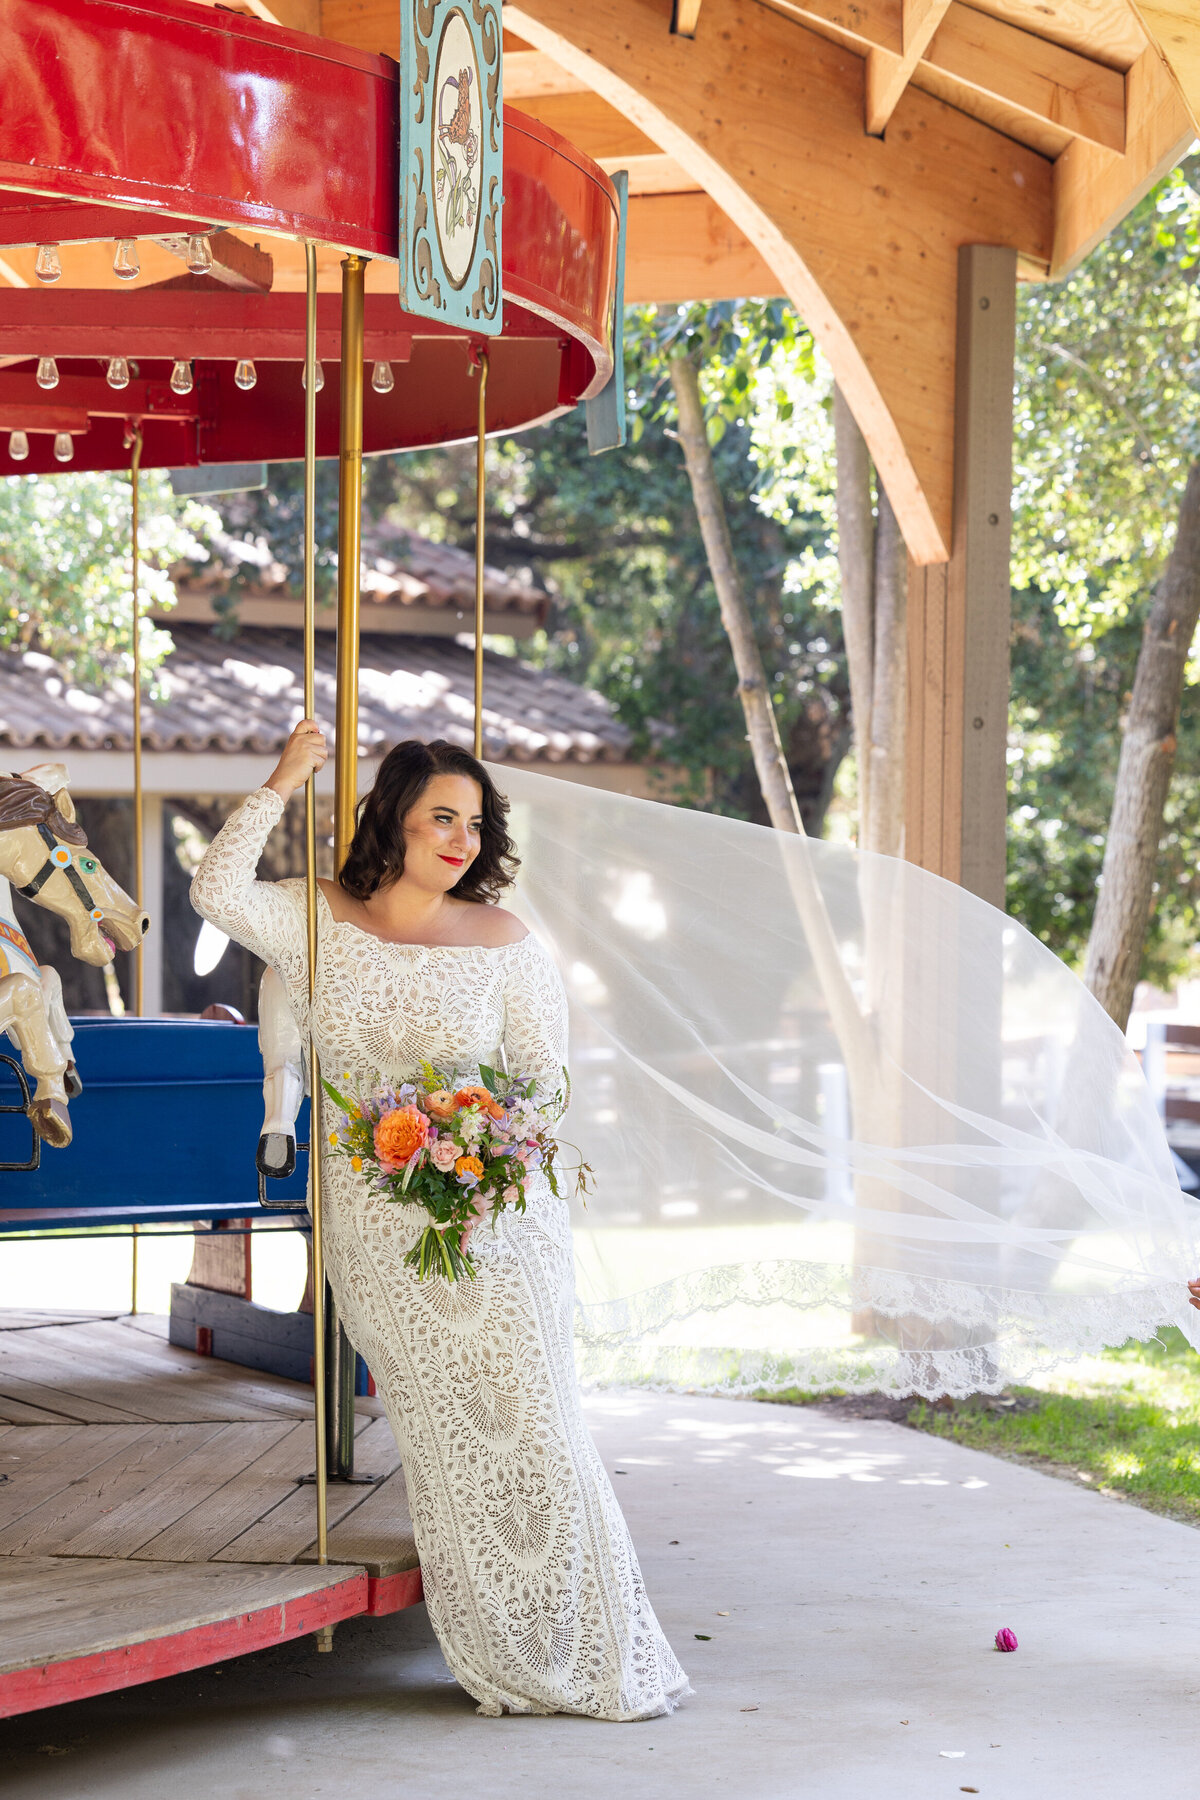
point(1006, 1639)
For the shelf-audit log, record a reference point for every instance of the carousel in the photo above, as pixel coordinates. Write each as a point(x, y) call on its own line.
point(230, 243)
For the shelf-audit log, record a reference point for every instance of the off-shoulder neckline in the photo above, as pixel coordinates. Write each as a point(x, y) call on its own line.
point(402, 944)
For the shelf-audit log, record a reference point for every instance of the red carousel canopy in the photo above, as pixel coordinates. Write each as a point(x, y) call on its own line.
point(122, 119)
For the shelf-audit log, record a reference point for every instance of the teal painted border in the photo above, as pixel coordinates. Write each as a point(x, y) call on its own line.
point(426, 286)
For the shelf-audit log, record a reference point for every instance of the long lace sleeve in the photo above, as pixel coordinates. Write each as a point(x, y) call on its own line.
point(535, 1020)
point(266, 916)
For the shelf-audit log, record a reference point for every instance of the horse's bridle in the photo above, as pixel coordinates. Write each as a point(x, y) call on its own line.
point(60, 861)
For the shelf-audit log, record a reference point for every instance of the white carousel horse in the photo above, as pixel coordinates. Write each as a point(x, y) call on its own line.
point(283, 1077)
point(44, 855)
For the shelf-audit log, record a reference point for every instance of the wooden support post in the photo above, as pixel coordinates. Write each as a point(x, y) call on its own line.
point(221, 1260)
point(959, 612)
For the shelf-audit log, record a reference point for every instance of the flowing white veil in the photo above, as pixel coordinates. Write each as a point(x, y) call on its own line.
point(851, 1126)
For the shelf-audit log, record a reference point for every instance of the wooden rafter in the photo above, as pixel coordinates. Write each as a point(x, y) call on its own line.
point(888, 75)
point(1031, 77)
point(1173, 26)
point(1095, 189)
point(528, 75)
point(685, 16)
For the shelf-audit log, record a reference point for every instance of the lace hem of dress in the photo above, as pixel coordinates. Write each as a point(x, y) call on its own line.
point(897, 1334)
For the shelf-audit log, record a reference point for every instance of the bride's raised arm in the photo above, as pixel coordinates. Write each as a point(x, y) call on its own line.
point(260, 914)
point(268, 917)
point(535, 1019)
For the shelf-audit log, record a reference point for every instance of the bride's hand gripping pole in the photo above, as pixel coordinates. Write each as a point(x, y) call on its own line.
point(480, 495)
point(324, 1637)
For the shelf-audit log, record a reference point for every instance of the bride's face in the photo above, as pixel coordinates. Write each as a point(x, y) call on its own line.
point(441, 832)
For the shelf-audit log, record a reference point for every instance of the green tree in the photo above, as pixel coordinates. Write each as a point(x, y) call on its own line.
point(615, 539)
point(1108, 427)
point(65, 568)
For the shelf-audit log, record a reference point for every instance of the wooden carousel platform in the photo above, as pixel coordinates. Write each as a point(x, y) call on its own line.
point(153, 1515)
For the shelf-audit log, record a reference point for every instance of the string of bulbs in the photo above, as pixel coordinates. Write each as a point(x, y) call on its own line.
point(127, 267)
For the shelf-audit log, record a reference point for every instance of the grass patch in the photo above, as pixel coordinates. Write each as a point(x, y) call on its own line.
point(1125, 1423)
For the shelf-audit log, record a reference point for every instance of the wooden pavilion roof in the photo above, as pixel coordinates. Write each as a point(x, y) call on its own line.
point(836, 151)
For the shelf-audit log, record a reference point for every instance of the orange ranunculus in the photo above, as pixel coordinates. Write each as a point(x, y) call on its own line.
point(399, 1133)
point(442, 1104)
point(479, 1096)
point(468, 1165)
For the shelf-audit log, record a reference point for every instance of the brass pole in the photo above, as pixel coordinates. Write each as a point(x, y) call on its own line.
point(315, 1134)
point(139, 871)
point(339, 1410)
point(480, 492)
point(349, 557)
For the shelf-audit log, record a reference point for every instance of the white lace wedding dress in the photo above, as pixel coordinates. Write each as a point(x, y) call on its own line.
point(531, 1581)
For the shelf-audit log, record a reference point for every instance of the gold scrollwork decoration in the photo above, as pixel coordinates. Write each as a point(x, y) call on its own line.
point(486, 296)
point(485, 18)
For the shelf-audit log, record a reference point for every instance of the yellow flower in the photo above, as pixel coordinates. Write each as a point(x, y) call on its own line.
point(356, 1163)
point(333, 1138)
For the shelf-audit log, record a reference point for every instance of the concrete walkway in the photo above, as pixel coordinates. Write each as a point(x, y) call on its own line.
point(833, 1588)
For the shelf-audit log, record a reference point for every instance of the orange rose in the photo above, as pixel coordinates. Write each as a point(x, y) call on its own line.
point(468, 1165)
point(441, 1104)
point(398, 1134)
point(479, 1096)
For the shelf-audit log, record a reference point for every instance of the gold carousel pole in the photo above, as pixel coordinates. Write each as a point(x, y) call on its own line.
point(139, 861)
point(139, 869)
point(349, 556)
point(325, 1635)
point(341, 1357)
point(480, 491)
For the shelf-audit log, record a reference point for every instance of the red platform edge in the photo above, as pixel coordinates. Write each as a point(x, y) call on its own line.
point(392, 1593)
point(78, 1678)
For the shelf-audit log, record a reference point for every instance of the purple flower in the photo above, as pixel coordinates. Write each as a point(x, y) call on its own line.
point(468, 1179)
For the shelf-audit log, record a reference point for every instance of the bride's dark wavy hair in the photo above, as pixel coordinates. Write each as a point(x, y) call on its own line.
point(376, 855)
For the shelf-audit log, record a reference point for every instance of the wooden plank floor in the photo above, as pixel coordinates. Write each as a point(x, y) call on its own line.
point(49, 1615)
point(115, 1443)
point(150, 1492)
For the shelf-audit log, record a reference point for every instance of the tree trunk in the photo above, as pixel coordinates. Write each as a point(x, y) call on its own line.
point(1144, 773)
point(883, 813)
point(856, 569)
point(873, 568)
point(761, 724)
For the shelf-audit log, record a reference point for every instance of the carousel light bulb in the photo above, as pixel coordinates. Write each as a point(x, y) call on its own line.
point(181, 377)
point(47, 372)
point(18, 446)
point(382, 379)
point(126, 266)
point(64, 448)
point(199, 255)
point(48, 264)
point(118, 372)
point(245, 375)
point(318, 384)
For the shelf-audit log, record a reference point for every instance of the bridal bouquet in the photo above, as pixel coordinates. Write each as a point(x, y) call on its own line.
point(459, 1149)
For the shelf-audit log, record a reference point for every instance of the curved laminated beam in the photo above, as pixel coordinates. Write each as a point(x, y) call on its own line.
point(862, 233)
point(179, 113)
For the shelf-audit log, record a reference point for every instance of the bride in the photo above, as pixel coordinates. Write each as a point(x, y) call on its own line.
point(531, 1581)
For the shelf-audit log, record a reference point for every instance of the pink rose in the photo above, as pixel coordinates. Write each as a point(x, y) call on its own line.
point(510, 1196)
point(443, 1154)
